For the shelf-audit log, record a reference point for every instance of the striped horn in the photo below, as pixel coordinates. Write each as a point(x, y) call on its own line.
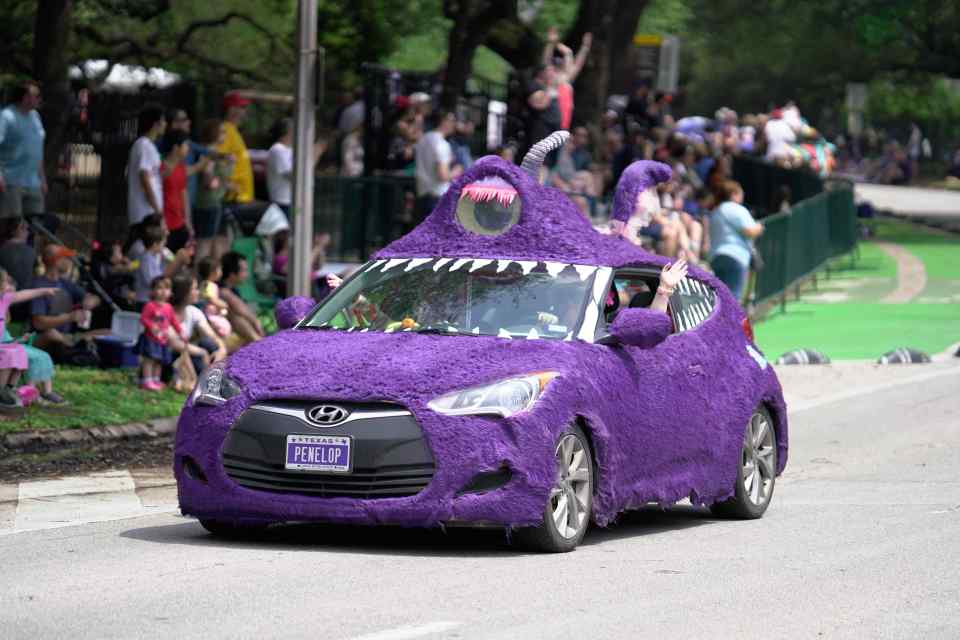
point(534, 158)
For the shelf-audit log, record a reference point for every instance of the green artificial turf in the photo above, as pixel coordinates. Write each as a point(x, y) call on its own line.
point(844, 318)
point(98, 397)
point(846, 331)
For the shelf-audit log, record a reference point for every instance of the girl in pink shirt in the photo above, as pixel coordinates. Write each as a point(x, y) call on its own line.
point(157, 318)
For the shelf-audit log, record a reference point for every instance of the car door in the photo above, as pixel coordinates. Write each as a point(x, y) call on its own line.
point(668, 437)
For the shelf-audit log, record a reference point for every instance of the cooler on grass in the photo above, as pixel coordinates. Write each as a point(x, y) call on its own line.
point(118, 349)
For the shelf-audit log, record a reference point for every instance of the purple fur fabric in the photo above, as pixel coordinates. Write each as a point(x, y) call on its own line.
point(638, 177)
point(665, 422)
point(289, 311)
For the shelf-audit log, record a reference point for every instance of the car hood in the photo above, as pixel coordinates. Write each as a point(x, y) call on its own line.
point(392, 367)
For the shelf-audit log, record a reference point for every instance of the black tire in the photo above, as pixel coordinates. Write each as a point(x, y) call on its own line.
point(547, 537)
point(232, 530)
point(741, 505)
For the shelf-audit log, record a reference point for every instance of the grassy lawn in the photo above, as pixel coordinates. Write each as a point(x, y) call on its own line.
point(98, 397)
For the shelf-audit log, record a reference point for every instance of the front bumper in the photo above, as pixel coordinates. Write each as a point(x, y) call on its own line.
point(406, 471)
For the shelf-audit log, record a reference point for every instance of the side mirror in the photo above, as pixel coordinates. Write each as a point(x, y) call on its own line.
point(290, 311)
point(638, 327)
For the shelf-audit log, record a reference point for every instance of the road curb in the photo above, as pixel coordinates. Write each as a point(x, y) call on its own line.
point(42, 440)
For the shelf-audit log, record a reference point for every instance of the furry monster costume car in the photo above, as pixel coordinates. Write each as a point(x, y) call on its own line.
point(495, 366)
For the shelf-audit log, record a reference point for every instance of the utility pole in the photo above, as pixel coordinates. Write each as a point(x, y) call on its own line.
point(303, 166)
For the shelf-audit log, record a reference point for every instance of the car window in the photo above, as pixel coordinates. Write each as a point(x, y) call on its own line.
point(691, 304)
point(504, 298)
point(633, 290)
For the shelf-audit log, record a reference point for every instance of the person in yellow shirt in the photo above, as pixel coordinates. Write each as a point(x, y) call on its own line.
point(240, 188)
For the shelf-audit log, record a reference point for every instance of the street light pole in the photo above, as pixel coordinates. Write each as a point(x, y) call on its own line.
point(303, 165)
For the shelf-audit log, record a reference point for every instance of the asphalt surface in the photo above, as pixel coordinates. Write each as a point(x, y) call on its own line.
point(860, 542)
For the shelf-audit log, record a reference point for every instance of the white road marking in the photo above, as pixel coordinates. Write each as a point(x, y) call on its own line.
point(73, 500)
point(406, 632)
point(883, 386)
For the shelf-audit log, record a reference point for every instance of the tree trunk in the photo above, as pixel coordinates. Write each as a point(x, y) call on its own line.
point(613, 24)
point(50, 65)
point(473, 21)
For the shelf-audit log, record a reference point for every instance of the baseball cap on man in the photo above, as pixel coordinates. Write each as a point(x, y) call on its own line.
point(53, 252)
point(234, 99)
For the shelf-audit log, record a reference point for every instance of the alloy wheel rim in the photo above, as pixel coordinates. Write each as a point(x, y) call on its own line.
point(757, 460)
point(570, 496)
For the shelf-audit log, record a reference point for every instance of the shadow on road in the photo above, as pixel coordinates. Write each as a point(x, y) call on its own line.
point(399, 541)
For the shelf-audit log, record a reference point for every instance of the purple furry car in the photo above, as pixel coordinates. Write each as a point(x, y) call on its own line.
point(500, 364)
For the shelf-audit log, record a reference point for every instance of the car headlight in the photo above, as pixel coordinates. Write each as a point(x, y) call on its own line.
point(214, 388)
point(503, 398)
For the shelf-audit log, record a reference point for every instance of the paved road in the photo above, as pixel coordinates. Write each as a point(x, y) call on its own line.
point(935, 206)
point(861, 542)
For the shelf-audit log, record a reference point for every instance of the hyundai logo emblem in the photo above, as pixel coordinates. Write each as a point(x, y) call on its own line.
point(327, 415)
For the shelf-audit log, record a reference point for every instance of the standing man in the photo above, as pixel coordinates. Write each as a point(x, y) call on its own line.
point(144, 185)
point(23, 183)
point(433, 159)
point(280, 163)
point(240, 187)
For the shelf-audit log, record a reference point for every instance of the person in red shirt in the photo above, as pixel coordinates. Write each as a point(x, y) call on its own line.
point(176, 197)
point(157, 318)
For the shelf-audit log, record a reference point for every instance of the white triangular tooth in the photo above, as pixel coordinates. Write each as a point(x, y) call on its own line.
point(376, 264)
point(459, 263)
point(440, 263)
point(394, 262)
point(416, 262)
point(533, 335)
point(503, 333)
point(526, 265)
point(585, 270)
point(479, 264)
point(555, 268)
point(502, 265)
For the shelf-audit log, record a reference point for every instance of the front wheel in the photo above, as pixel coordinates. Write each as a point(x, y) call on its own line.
point(756, 471)
point(568, 509)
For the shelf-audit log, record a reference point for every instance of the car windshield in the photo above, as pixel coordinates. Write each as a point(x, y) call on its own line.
point(465, 296)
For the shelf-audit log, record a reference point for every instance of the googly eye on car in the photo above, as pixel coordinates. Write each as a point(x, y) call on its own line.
point(488, 207)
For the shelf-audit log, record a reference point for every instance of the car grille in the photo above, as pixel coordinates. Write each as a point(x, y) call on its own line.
point(385, 482)
point(390, 456)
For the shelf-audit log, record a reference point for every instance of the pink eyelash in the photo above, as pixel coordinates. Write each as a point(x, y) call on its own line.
point(480, 192)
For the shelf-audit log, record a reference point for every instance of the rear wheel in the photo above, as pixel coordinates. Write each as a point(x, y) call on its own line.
point(568, 509)
point(756, 471)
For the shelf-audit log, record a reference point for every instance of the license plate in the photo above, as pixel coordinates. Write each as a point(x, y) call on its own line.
point(330, 454)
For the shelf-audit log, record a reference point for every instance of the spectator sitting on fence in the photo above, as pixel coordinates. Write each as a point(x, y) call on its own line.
point(55, 319)
point(23, 183)
point(246, 325)
point(567, 67)
point(144, 184)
